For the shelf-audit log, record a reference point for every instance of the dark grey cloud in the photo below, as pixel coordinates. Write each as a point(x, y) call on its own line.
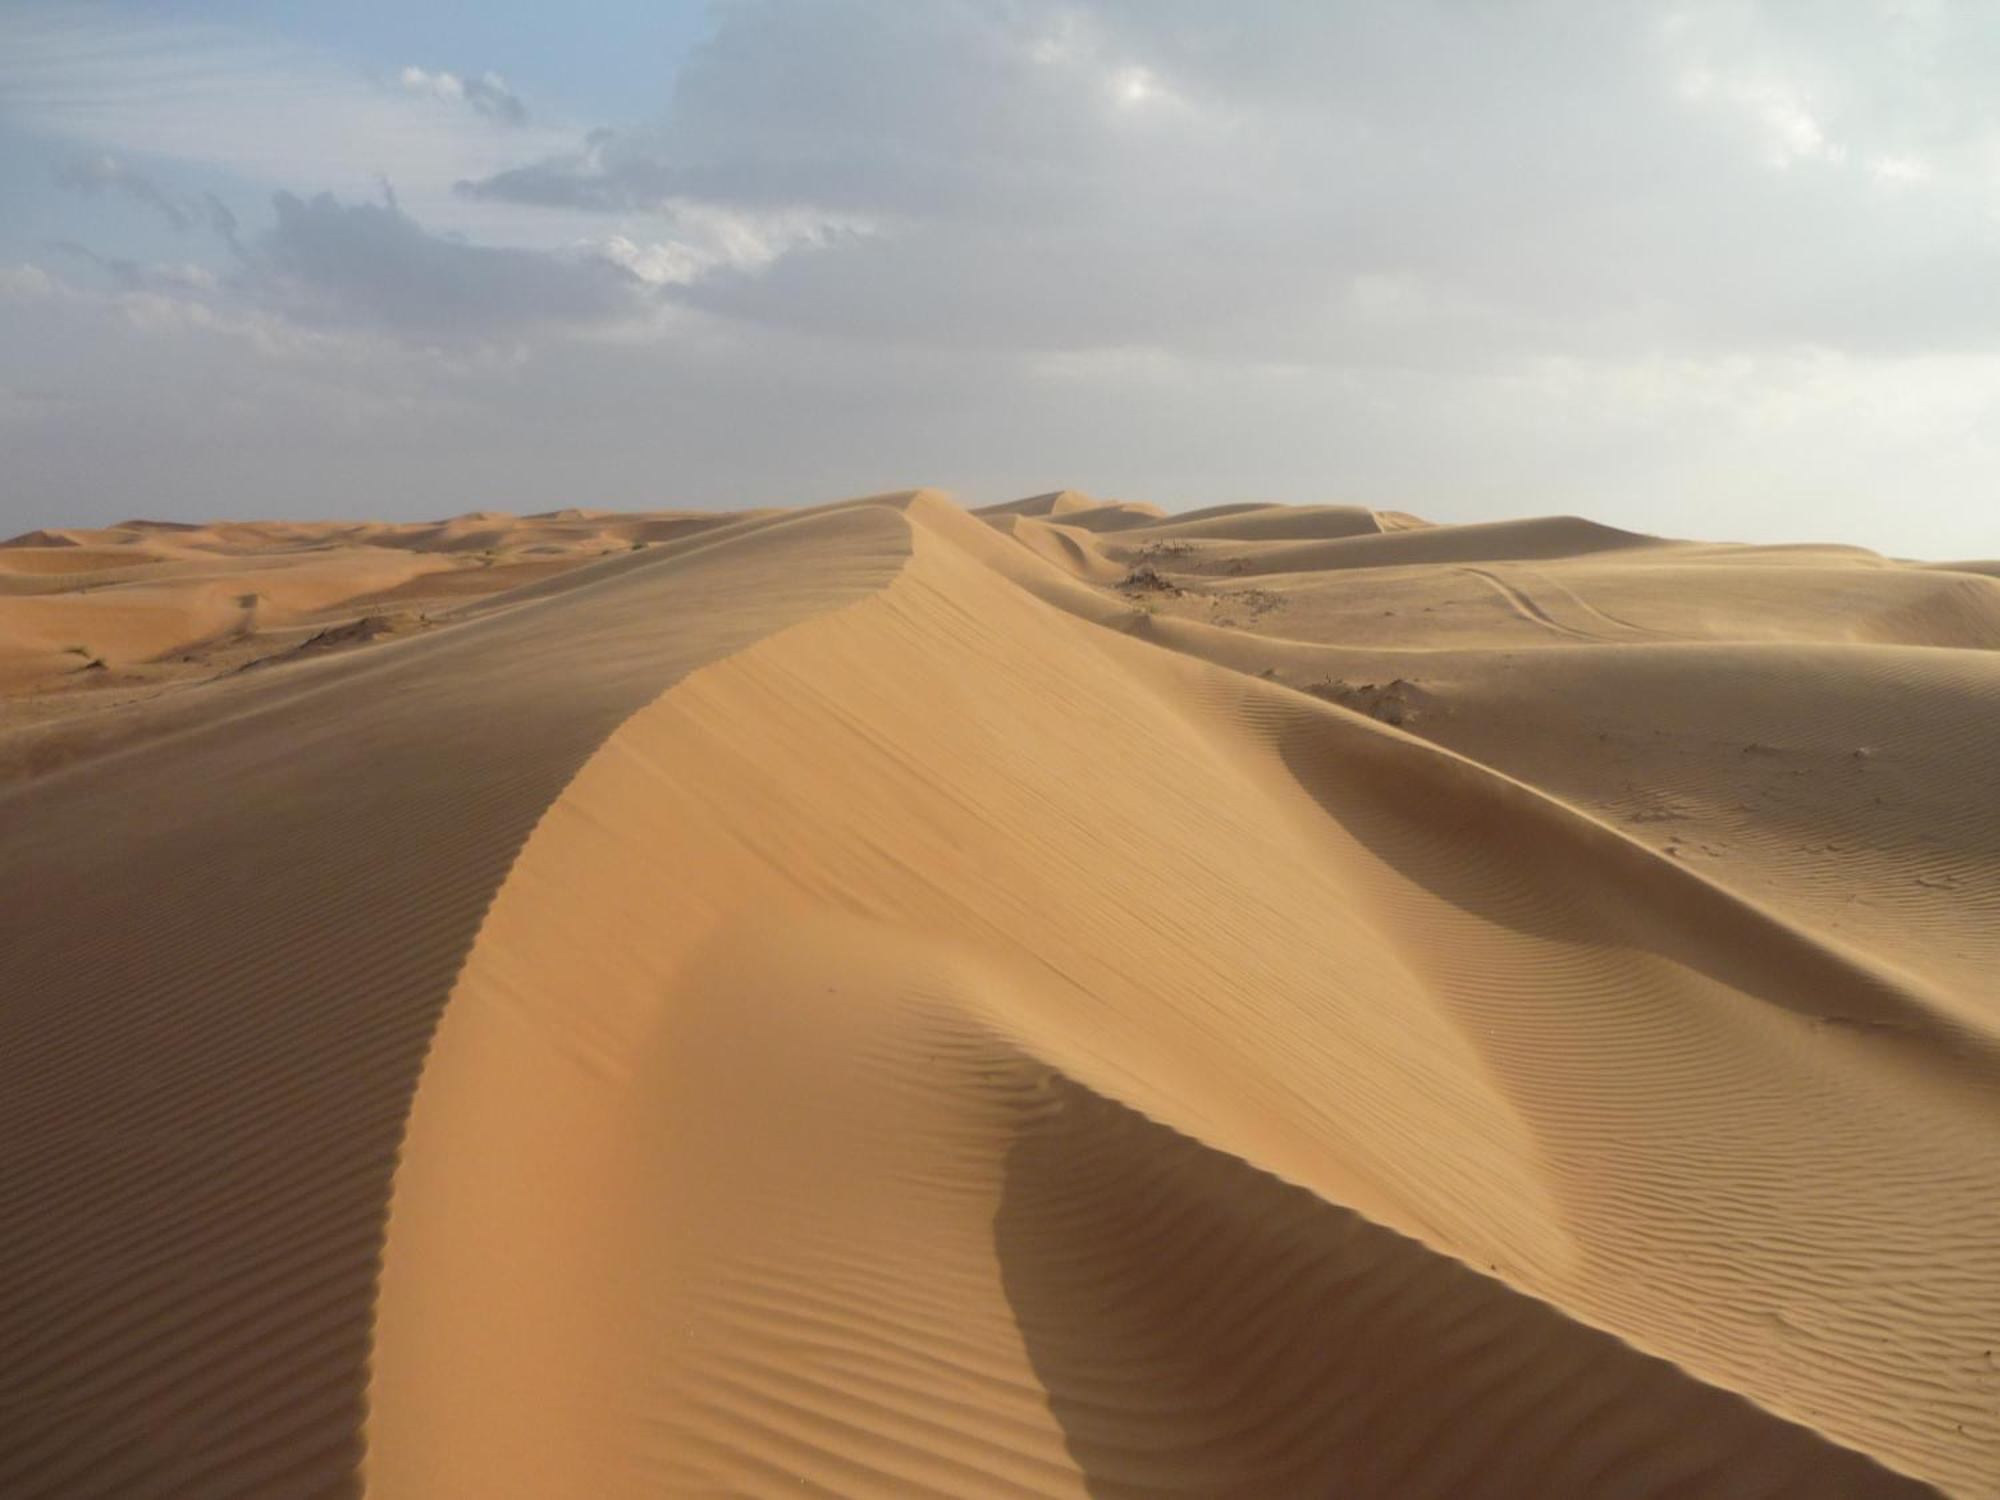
point(371, 263)
point(223, 221)
point(330, 263)
point(489, 95)
point(610, 173)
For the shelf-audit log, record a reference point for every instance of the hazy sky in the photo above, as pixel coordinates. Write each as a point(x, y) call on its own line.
point(1709, 269)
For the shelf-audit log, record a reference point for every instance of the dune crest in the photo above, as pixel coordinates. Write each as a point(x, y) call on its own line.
point(1055, 1000)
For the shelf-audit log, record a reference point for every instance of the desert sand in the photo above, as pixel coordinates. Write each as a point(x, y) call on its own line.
point(1051, 1000)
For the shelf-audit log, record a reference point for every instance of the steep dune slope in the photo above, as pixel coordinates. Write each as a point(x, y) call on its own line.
point(227, 947)
point(890, 1001)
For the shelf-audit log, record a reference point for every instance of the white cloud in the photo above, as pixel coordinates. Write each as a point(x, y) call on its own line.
point(1777, 111)
point(710, 239)
point(26, 283)
point(1900, 169)
point(655, 264)
point(486, 93)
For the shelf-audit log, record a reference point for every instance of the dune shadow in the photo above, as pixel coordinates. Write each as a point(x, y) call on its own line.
point(1204, 1329)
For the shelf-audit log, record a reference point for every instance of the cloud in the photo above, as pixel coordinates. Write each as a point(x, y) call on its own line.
point(706, 240)
point(1670, 265)
point(1540, 180)
point(1533, 180)
point(608, 173)
point(25, 283)
point(209, 411)
point(106, 174)
point(1778, 111)
point(133, 275)
point(328, 261)
point(486, 93)
point(102, 174)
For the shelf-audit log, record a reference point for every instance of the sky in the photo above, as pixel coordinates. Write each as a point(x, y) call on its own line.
point(1726, 269)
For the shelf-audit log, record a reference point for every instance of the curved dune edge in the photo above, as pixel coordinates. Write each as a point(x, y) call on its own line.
point(778, 1125)
point(227, 946)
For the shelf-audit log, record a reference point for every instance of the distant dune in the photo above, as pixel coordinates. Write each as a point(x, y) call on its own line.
point(1054, 1000)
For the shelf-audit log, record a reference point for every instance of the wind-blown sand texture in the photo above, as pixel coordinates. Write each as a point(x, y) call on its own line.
point(1057, 1000)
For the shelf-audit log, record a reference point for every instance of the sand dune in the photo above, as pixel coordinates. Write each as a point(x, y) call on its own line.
point(1058, 1000)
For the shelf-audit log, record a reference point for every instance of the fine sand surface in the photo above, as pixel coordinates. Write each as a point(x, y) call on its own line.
point(1056, 1000)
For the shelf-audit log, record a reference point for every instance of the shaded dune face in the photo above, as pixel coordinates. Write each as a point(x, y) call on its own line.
point(1052, 1001)
point(225, 954)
